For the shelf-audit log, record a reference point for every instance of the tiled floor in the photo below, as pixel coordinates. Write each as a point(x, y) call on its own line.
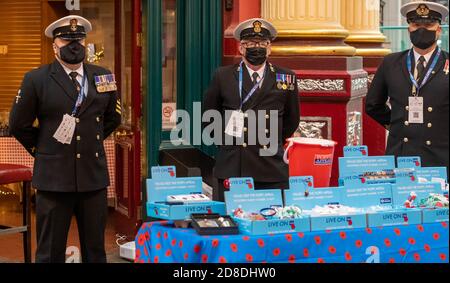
point(11, 249)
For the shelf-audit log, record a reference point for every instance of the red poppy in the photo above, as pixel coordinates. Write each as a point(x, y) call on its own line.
point(234, 248)
point(332, 249)
point(387, 242)
point(222, 260)
point(427, 248)
point(358, 243)
point(436, 236)
point(397, 231)
point(292, 259)
point(197, 249)
point(305, 252)
point(215, 243)
point(402, 252)
point(261, 243)
point(420, 228)
point(412, 241)
point(156, 259)
point(158, 246)
point(288, 237)
point(276, 252)
point(204, 258)
point(318, 240)
point(249, 257)
point(343, 235)
point(348, 256)
point(168, 253)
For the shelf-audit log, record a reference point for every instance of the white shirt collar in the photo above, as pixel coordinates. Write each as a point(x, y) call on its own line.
point(80, 70)
point(260, 71)
point(427, 56)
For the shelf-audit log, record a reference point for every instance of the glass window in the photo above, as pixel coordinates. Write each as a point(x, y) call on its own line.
point(169, 63)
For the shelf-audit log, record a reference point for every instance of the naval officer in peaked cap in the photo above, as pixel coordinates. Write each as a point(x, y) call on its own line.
point(416, 83)
point(77, 107)
point(258, 85)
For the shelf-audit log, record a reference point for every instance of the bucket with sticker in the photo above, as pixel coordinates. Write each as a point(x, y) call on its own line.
point(311, 157)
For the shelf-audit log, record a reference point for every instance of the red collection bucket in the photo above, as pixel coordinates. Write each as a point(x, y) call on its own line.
point(311, 157)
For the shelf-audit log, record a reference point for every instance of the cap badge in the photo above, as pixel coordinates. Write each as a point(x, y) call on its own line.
point(257, 26)
point(73, 24)
point(423, 10)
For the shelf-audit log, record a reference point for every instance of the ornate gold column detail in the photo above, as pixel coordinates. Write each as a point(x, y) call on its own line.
point(307, 27)
point(362, 19)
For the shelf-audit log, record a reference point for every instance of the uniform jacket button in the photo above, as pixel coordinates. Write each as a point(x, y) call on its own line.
point(406, 140)
point(407, 108)
point(98, 137)
point(430, 109)
point(406, 123)
point(78, 138)
point(245, 115)
point(267, 117)
point(430, 125)
point(245, 130)
point(428, 143)
point(244, 145)
point(78, 156)
point(96, 154)
point(98, 119)
point(265, 147)
point(77, 120)
point(267, 131)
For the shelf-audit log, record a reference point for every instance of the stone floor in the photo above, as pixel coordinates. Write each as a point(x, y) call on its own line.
point(11, 250)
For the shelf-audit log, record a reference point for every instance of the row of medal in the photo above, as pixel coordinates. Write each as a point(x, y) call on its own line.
point(106, 83)
point(286, 82)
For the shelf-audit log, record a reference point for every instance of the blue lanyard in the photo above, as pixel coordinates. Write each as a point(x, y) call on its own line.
point(252, 92)
point(427, 76)
point(80, 97)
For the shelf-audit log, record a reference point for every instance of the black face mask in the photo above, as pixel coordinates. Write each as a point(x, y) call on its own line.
point(73, 53)
point(256, 55)
point(423, 38)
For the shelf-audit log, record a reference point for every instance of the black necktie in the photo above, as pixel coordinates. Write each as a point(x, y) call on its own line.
point(74, 76)
point(255, 77)
point(420, 68)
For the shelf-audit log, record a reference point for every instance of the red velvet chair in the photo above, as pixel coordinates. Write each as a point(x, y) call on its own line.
point(15, 174)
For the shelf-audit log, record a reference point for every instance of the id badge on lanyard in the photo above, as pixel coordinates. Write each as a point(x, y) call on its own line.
point(66, 130)
point(416, 102)
point(235, 127)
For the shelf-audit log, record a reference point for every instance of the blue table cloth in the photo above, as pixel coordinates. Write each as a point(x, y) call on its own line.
point(161, 242)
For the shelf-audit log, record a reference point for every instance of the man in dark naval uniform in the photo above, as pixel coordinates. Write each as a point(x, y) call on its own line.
point(416, 84)
point(262, 101)
point(61, 115)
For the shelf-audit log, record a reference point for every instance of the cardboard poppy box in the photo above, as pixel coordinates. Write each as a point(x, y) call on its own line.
point(164, 183)
point(377, 201)
point(243, 196)
point(303, 194)
point(409, 189)
point(368, 169)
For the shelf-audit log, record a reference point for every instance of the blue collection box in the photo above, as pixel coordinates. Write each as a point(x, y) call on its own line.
point(303, 194)
point(407, 183)
point(164, 183)
point(243, 195)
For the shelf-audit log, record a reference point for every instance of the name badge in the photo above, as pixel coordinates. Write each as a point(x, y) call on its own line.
point(415, 110)
point(66, 129)
point(235, 126)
